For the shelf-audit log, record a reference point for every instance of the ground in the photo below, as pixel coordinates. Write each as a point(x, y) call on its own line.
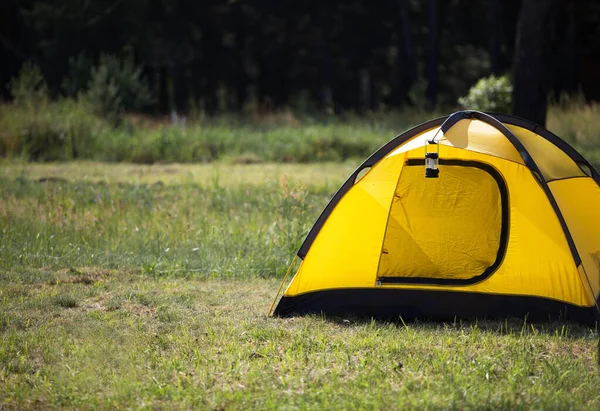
point(148, 286)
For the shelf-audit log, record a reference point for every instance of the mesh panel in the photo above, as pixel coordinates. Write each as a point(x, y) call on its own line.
point(554, 163)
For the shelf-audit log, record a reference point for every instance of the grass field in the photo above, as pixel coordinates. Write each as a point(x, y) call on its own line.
point(128, 286)
point(65, 129)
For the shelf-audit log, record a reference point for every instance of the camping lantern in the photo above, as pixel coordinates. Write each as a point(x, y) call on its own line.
point(432, 159)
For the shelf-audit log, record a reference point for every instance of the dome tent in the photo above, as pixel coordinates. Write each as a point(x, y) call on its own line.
point(508, 228)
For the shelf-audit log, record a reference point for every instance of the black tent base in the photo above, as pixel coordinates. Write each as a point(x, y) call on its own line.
point(393, 304)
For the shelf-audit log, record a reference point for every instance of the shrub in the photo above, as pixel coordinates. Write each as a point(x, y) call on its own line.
point(116, 86)
point(78, 77)
point(37, 128)
point(29, 86)
point(492, 94)
point(51, 130)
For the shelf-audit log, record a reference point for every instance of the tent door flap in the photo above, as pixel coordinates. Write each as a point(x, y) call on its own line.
point(451, 230)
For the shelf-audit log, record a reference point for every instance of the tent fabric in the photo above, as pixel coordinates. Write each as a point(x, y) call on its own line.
point(554, 163)
point(508, 228)
point(579, 198)
point(445, 228)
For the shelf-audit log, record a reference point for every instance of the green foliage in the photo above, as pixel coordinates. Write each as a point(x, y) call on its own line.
point(78, 77)
point(492, 94)
point(236, 54)
point(29, 86)
point(71, 129)
point(469, 64)
point(44, 130)
point(68, 129)
point(116, 86)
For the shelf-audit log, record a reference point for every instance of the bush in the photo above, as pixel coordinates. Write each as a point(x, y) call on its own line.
point(492, 94)
point(116, 86)
point(36, 128)
point(29, 86)
point(51, 130)
point(79, 75)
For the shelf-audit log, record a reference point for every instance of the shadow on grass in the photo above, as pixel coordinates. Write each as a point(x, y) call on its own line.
point(507, 326)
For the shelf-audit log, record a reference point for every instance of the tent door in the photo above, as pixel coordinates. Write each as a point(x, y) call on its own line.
point(448, 231)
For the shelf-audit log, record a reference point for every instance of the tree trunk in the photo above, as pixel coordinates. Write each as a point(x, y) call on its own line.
point(282, 88)
point(327, 99)
point(531, 58)
point(364, 90)
point(162, 88)
point(208, 66)
point(495, 21)
point(180, 88)
point(239, 82)
point(572, 52)
point(407, 72)
point(432, 61)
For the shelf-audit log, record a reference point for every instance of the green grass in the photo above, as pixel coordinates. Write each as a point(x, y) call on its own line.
point(131, 340)
point(68, 129)
point(219, 220)
point(577, 122)
point(147, 286)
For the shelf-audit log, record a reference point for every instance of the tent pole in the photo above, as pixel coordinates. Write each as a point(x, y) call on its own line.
point(281, 286)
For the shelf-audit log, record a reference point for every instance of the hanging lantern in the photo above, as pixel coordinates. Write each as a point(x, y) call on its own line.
point(432, 159)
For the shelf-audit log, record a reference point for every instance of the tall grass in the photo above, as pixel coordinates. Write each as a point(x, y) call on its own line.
point(44, 130)
point(578, 123)
point(68, 129)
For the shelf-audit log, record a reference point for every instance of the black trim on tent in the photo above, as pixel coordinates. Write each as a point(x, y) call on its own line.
point(551, 137)
point(451, 120)
point(486, 118)
point(374, 158)
point(566, 178)
point(393, 303)
point(503, 230)
point(530, 163)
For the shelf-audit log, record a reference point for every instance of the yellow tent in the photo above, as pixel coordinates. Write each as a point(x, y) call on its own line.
point(509, 227)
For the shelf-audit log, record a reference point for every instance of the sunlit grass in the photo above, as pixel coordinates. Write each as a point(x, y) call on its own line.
point(126, 339)
point(224, 220)
point(324, 175)
point(147, 287)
